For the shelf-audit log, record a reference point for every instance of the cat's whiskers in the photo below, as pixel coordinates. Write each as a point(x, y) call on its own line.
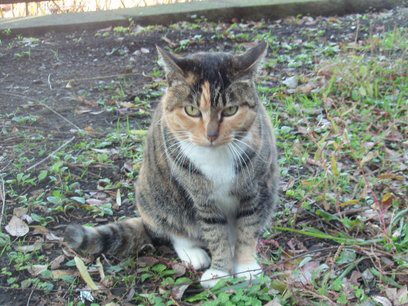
point(233, 157)
point(172, 137)
point(240, 153)
point(184, 155)
point(251, 148)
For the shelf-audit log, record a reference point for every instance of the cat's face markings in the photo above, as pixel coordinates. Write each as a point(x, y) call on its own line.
point(211, 98)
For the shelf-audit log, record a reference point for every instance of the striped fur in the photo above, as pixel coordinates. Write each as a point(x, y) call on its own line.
point(208, 182)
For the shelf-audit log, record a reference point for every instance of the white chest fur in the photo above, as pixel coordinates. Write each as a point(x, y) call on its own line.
point(217, 164)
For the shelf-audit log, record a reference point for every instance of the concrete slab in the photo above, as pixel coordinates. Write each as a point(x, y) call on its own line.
point(213, 10)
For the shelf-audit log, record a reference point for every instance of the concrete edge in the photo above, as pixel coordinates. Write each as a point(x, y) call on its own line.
point(212, 10)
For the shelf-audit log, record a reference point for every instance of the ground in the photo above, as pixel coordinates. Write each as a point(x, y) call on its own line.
point(74, 112)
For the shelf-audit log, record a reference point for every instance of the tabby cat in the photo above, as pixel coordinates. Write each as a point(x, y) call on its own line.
point(209, 177)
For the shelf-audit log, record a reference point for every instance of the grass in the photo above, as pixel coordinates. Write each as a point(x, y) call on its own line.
point(340, 235)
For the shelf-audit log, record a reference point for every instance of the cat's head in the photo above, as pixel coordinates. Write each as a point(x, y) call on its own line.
point(211, 97)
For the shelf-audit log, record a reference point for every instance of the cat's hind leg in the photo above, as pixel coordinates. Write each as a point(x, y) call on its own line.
point(189, 252)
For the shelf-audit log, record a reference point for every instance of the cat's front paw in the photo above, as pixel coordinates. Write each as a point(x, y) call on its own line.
point(211, 276)
point(196, 257)
point(248, 270)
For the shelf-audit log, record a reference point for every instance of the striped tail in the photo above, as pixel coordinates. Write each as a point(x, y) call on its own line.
point(120, 239)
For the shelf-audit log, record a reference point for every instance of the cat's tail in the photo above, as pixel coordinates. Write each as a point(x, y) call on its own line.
point(120, 239)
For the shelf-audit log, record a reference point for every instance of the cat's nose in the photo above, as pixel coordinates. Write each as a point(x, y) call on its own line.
point(212, 135)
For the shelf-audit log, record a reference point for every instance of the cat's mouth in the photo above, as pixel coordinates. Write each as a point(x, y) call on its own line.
point(212, 144)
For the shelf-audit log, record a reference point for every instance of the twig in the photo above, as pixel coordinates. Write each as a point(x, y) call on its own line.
point(3, 200)
point(6, 166)
point(29, 298)
point(49, 81)
point(121, 75)
point(59, 115)
point(45, 105)
point(51, 154)
point(357, 31)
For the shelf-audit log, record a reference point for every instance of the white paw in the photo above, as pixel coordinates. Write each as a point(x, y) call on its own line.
point(196, 257)
point(249, 270)
point(211, 277)
point(190, 253)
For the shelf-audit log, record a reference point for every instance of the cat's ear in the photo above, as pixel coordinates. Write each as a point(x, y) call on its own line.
point(247, 64)
point(171, 65)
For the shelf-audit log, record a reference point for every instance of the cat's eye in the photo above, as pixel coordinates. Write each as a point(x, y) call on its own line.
point(192, 111)
point(230, 111)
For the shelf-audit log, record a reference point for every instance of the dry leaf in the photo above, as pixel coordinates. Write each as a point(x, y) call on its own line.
point(100, 268)
point(35, 270)
point(179, 268)
point(118, 198)
point(178, 292)
point(391, 176)
point(127, 104)
point(94, 202)
point(60, 273)
point(89, 129)
point(29, 248)
point(16, 227)
point(370, 155)
point(56, 263)
point(84, 273)
point(145, 261)
point(20, 211)
point(382, 300)
point(39, 230)
point(82, 110)
point(52, 237)
point(273, 303)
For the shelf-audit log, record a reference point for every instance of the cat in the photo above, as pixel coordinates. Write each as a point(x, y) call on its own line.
point(209, 176)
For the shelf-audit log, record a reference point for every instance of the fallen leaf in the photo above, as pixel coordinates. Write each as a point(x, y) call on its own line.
point(94, 202)
point(349, 202)
point(82, 110)
point(402, 296)
point(89, 129)
point(56, 274)
point(354, 277)
point(178, 291)
point(179, 268)
point(369, 156)
point(16, 227)
point(56, 263)
point(387, 199)
point(391, 176)
point(118, 198)
point(100, 269)
point(20, 211)
point(306, 88)
point(367, 275)
point(382, 300)
point(27, 218)
point(35, 270)
point(145, 261)
point(52, 237)
point(41, 230)
point(291, 82)
point(273, 303)
point(29, 248)
point(127, 104)
point(84, 273)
